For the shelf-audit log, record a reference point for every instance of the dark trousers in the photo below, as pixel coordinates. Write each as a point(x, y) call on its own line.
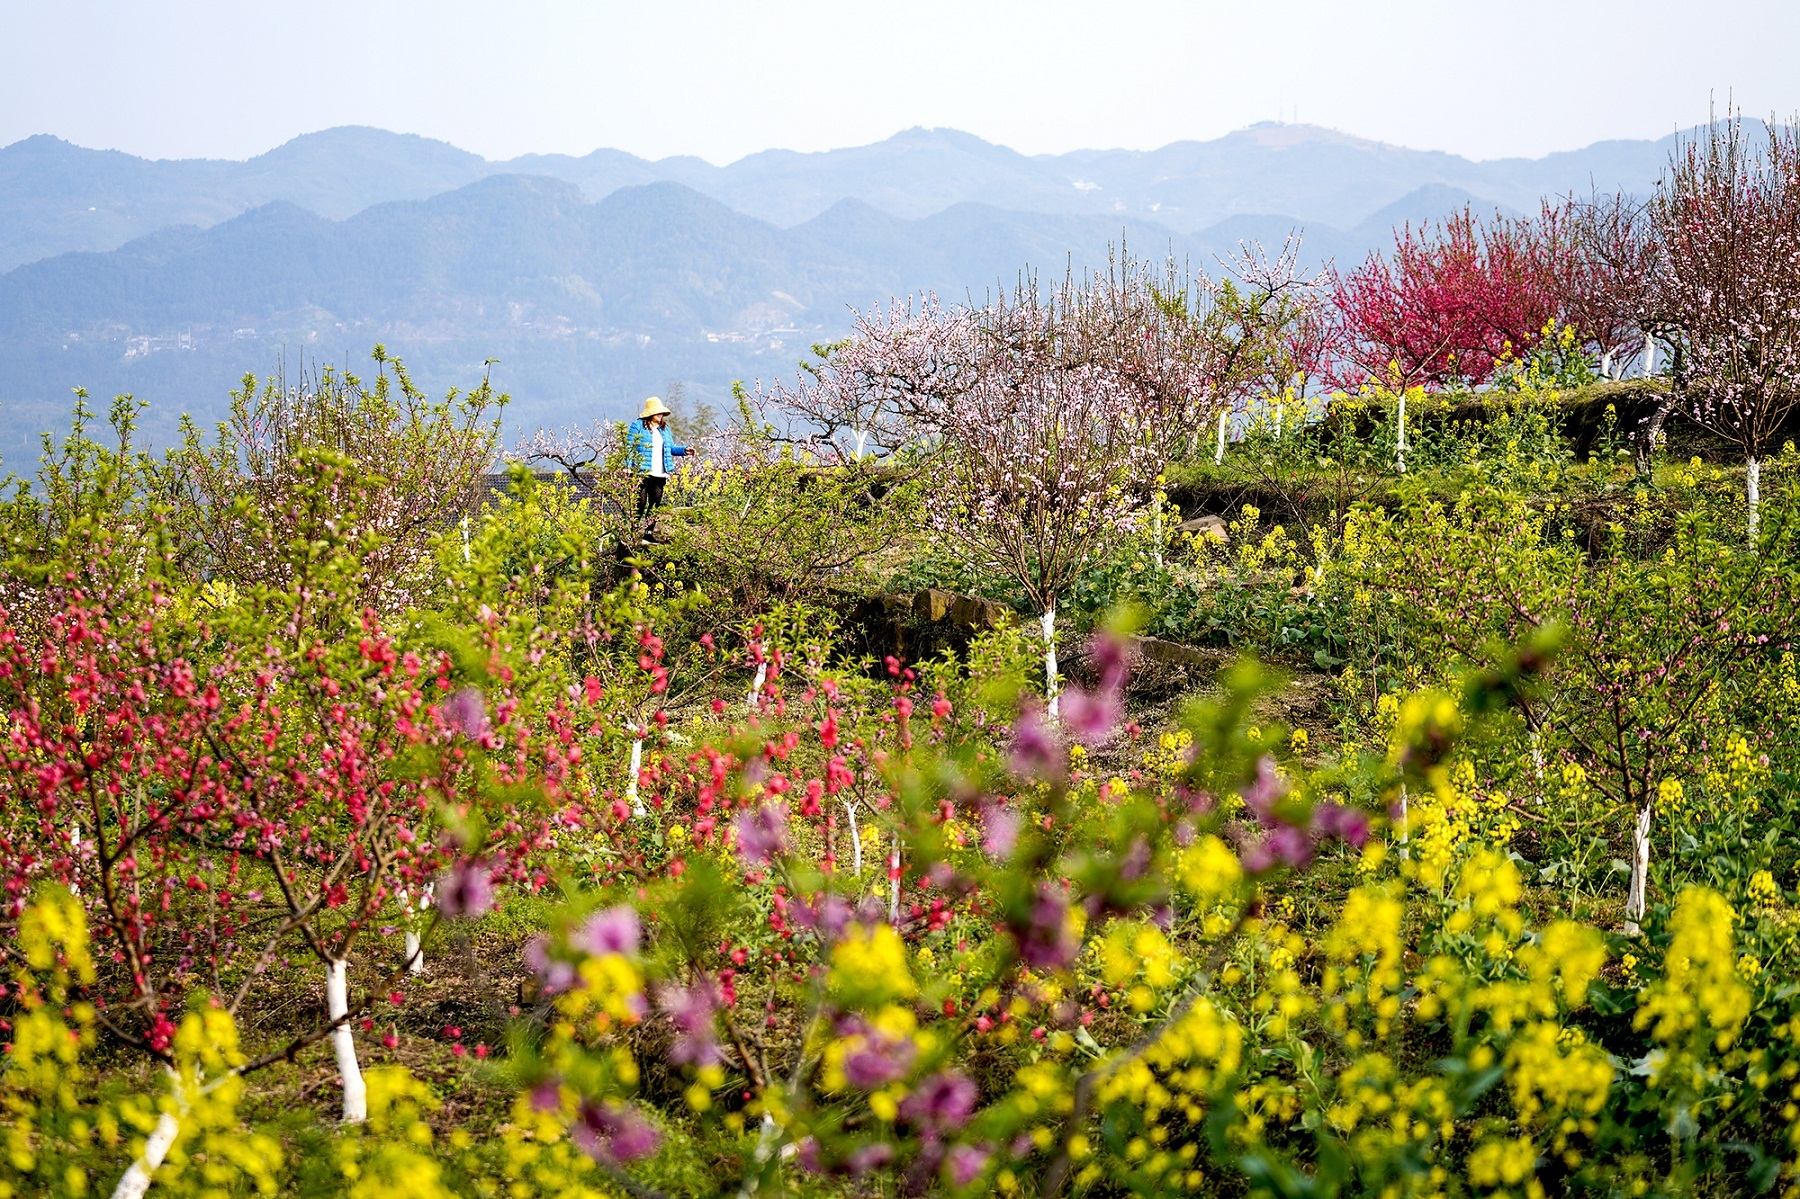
point(650, 493)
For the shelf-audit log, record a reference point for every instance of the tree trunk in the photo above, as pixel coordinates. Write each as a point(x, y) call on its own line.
point(765, 1149)
point(894, 881)
point(162, 1138)
point(637, 763)
point(1051, 695)
point(855, 838)
point(1219, 454)
point(1405, 838)
point(1400, 446)
point(762, 675)
point(343, 1043)
point(414, 949)
point(1640, 871)
point(1753, 494)
point(1646, 444)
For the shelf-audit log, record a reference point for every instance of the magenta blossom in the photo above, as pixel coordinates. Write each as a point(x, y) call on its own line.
point(468, 890)
point(555, 974)
point(964, 1164)
point(761, 832)
point(870, 1157)
point(546, 1096)
point(613, 1133)
point(610, 930)
point(1036, 752)
point(1000, 829)
point(942, 1101)
point(690, 1010)
point(1334, 820)
point(1265, 791)
point(466, 713)
point(1112, 661)
point(876, 1060)
point(826, 914)
point(1091, 716)
point(1046, 942)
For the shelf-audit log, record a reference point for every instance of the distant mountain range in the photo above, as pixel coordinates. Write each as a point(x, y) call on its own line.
point(598, 278)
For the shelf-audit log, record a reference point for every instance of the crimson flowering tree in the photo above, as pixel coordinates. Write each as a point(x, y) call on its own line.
point(1446, 306)
point(231, 778)
point(1728, 220)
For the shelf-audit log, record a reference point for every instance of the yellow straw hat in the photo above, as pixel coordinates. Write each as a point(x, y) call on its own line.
point(654, 407)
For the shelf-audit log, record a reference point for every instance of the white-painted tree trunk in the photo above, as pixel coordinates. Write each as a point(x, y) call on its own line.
point(855, 838)
point(413, 948)
point(75, 860)
point(1219, 454)
point(1051, 695)
point(465, 537)
point(861, 440)
point(1649, 356)
point(1537, 755)
point(1753, 493)
point(1156, 531)
point(765, 1149)
point(343, 1043)
point(1405, 834)
point(894, 881)
point(1640, 871)
point(637, 764)
point(762, 675)
point(1401, 449)
point(1606, 365)
point(156, 1147)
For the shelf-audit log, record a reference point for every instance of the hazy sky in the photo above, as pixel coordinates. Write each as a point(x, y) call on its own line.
point(231, 78)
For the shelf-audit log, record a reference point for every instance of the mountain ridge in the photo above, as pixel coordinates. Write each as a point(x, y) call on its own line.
point(56, 196)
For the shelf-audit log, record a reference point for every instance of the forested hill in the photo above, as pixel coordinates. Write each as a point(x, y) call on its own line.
point(599, 278)
point(584, 304)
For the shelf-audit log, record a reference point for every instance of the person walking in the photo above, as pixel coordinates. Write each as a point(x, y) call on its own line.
point(653, 452)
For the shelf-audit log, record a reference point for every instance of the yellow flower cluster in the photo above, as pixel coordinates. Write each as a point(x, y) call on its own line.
point(1505, 1162)
point(1700, 991)
point(45, 1089)
point(1209, 873)
point(868, 967)
point(1365, 951)
point(1554, 1072)
point(1139, 953)
point(1178, 1070)
point(609, 990)
point(390, 1158)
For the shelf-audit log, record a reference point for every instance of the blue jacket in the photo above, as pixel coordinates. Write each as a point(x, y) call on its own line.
point(638, 437)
